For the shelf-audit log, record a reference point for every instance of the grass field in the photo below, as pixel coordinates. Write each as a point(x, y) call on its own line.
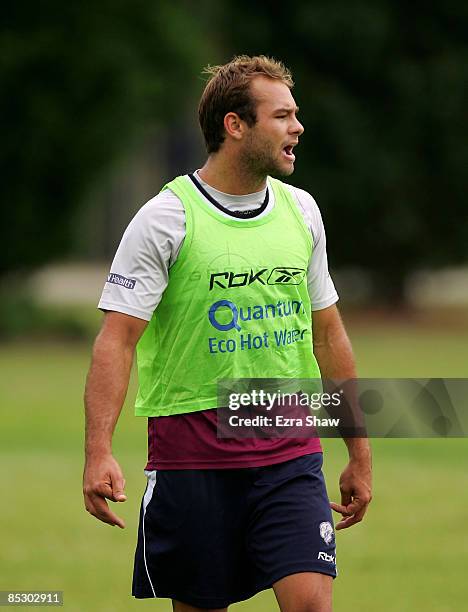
point(410, 554)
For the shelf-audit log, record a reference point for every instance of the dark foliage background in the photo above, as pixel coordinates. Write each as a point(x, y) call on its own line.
point(382, 86)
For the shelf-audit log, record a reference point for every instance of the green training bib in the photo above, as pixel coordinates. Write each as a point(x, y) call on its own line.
point(236, 306)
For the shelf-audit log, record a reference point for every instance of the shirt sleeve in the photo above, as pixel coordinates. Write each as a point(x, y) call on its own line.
point(140, 269)
point(322, 291)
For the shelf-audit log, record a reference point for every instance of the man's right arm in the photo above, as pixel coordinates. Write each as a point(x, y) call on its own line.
point(106, 388)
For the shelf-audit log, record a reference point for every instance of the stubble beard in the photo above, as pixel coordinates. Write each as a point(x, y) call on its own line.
point(258, 160)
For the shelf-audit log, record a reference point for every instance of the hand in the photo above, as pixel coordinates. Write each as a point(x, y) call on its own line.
point(103, 479)
point(356, 492)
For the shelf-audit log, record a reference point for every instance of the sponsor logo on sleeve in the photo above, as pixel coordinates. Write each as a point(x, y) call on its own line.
point(118, 279)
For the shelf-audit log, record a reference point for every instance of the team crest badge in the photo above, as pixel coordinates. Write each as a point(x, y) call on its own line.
point(326, 532)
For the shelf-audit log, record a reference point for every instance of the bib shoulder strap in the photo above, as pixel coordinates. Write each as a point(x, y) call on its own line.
point(283, 194)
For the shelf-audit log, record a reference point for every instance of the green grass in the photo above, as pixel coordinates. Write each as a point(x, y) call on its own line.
point(411, 552)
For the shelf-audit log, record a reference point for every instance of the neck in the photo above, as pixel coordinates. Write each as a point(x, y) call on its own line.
point(230, 176)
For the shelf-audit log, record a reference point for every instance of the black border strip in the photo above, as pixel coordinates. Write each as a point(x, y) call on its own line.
point(248, 214)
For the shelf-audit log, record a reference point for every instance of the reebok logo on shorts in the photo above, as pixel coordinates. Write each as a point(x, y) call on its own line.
point(323, 556)
point(117, 279)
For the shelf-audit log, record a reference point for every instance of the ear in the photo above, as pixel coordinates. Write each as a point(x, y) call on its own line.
point(234, 126)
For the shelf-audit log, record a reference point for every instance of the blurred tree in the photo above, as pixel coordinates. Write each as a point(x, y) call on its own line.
point(382, 86)
point(79, 81)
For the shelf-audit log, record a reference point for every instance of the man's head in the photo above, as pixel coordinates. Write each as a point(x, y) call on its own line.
point(247, 105)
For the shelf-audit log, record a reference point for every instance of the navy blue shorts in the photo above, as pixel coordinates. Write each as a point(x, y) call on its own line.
point(210, 538)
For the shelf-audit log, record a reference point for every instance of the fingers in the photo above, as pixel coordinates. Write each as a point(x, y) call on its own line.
point(97, 506)
point(354, 506)
point(353, 513)
point(351, 520)
point(118, 486)
point(346, 498)
point(95, 494)
point(339, 508)
point(111, 490)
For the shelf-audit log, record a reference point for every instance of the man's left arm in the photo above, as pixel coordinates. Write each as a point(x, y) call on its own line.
point(334, 355)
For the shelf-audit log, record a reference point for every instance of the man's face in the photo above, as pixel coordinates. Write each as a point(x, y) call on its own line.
point(268, 145)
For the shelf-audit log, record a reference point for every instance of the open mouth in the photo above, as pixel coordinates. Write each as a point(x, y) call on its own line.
point(288, 152)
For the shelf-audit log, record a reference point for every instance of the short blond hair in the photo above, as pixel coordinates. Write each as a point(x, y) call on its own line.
point(228, 90)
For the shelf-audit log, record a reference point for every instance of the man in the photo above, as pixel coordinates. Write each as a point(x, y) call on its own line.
point(223, 519)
